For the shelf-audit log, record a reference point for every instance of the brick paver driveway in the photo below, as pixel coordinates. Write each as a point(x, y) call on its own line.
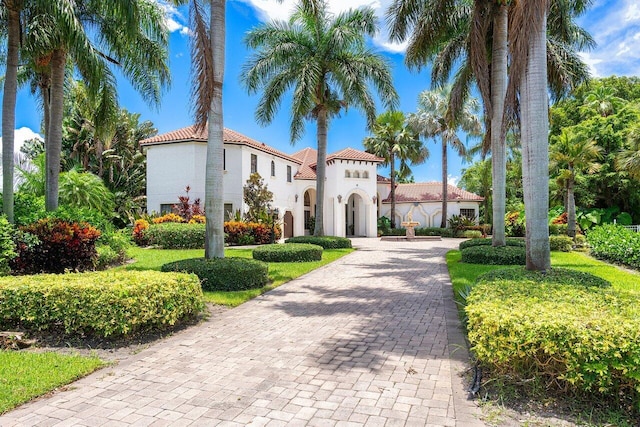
point(372, 339)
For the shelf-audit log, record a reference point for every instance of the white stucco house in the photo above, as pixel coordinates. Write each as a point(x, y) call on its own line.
point(355, 196)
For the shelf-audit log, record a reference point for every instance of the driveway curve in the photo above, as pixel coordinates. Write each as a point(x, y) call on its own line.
point(371, 339)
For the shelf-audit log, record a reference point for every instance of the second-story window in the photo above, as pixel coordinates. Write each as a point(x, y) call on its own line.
point(254, 163)
point(288, 173)
point(347, 174)
point(273, 168)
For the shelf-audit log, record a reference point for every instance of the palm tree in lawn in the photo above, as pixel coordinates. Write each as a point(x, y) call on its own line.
point(10, 12)
point(573, 152)
point(433, 120)
point(324, 60)
point(134, 38)
point(393, 140)
point(528, 73)
point(475, 36)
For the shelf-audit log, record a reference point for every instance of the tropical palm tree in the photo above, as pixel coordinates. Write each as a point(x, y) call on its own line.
point(325, 61)
point(432, 121)
point(133, 37)
point(10, 10)
point(528, 73)
point(393, 140)
point(208, 56)
point(628, 159)
point(570, 153)
point(474, 35)
point(603, 100)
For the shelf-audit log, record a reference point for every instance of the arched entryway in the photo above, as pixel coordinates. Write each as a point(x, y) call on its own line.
point(309, 211)
point(355, 216)
point(288, 224)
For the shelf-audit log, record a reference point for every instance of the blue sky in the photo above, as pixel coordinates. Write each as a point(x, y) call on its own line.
point(614, 24)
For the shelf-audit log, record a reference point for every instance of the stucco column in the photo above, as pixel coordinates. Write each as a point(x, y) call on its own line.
point(339, 219)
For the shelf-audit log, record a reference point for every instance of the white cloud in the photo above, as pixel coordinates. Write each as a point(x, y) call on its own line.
point(615, 25)
point(453, 180)
point(269, 10)
point(174, 20)
point(21, 135)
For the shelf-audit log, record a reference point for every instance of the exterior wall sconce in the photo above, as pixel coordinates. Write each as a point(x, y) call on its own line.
point(375, 199)
point(296, 196)
point(339, 198)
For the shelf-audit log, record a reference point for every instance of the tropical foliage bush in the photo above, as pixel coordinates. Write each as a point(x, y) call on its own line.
point(7, 245)
point(552, 327)
point(472, 234)
point(291, 252)
point(58, 246)
point(112, 247)
point(514, 224)
point(327, 242)
point(489, 255)
point(616, 244)
point(421, 231)
point(561, 243)
point(99, 303)
point(224, 274)
point(488, 242)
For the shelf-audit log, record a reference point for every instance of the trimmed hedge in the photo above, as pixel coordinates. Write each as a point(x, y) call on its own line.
point(576, 338)
point(421, 231)
point(561, 276)
point(487, 242)
point(102, 303)
point(561, 243)
point(291, 252)
point(489, 255)
point(472, 234)
point(327, 242)
point(224, 274)
point(616, 244)
point(174, 235)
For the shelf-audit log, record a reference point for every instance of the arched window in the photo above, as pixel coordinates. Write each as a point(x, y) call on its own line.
point(356, 174)
point(365, 174)
point(273, 168)
point(307, 199)
point(347, 174)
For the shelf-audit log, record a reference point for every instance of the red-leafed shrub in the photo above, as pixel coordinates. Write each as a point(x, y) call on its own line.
point(139, 232)
point(170, 217)
point(561, 219)
point(61, 246)
point(241, 233)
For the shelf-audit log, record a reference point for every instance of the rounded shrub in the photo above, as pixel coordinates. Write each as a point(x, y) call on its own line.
point(578, 338)
point(327, 242)
point(561, 243)
point(489, 255)
point(292, 252)
point(105, 303)
point(224, 274)
point(488, 242)
point(173, 235)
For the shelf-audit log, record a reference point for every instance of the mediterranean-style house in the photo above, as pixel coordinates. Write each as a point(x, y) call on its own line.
point(355, 196)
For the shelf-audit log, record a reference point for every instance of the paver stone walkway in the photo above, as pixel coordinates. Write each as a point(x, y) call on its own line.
point(371, 339)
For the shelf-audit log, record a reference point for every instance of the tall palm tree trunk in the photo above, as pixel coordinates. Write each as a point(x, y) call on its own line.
point(535, 152)
point(445, 195)
point(54, 138)
point(321, 172)
point(9, 107)
point(571, 209)
point(392, 162)
point(498, 146)
point(214, 192)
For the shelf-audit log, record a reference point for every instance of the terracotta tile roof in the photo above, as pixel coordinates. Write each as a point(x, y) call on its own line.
point(430, 192)
point(308, 157)
point(353, 154)
point(383, 179)
point(189, 134)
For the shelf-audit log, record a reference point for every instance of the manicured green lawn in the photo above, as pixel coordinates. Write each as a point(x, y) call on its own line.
point(25, 375)
point(279, 273)
point(463, 274)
